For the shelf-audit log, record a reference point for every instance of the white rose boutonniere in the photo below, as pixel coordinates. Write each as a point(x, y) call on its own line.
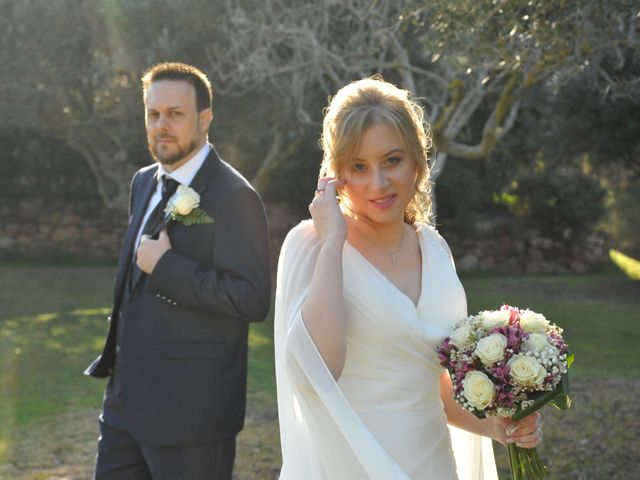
point(184, 207)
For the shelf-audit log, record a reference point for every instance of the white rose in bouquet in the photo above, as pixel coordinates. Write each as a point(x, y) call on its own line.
point(184, 200)
point(462, 336)
point(478, 389)
point(537, 342)
point(493, 319)
point(491, 349)
point(526, 371)
point(532, 322)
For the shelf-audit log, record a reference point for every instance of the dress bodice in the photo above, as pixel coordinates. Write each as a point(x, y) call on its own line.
point(384, 418)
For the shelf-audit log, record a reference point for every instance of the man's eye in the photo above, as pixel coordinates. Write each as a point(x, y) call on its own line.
point(153, 115)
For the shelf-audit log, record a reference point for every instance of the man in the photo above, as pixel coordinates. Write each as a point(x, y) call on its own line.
point(186, 289)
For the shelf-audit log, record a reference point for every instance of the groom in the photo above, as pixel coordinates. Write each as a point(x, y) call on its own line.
point(186, 289)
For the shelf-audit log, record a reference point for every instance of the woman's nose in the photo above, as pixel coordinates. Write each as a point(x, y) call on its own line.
point(380, 179)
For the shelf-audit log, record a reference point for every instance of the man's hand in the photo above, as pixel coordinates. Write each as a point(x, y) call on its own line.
point(150, 251)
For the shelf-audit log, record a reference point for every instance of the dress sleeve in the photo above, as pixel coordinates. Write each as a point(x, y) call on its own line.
point(473, 453)
point(322, 437)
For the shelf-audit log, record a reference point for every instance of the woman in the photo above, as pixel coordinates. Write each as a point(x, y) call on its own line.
point(366, 291)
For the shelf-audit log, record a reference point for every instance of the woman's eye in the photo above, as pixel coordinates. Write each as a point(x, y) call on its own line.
point(359, 167)
point(394, 160)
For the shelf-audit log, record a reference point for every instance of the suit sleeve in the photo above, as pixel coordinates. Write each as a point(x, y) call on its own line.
point(238, 284)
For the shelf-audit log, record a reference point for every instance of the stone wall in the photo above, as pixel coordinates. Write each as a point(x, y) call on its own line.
point(57, 230)
point(529, 253)
point(39, 229)
point(498, 245)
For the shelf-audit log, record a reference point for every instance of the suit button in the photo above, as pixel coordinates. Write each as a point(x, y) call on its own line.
point(117, 348)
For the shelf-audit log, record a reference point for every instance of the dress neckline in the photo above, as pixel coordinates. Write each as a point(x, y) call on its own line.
point(423, 260)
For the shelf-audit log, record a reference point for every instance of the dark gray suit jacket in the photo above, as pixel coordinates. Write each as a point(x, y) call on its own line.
point(177, 338)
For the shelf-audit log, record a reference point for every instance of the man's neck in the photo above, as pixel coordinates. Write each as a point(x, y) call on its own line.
point(181, 162)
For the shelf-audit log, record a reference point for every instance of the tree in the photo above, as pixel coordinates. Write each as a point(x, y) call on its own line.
point(471, 61)
point(74, 67)
point(73, 85)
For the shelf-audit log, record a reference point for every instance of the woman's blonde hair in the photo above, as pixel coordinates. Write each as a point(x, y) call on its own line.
point(363, 104)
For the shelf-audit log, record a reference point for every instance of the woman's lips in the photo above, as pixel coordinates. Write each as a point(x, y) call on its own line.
point(384, 202)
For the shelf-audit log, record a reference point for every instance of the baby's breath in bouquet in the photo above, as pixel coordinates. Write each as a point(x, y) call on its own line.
point(508, 362)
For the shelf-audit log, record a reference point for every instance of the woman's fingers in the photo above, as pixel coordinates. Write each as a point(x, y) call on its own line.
point(331, 187)
point(325, 211)
point(526, 433)
point(322, 184)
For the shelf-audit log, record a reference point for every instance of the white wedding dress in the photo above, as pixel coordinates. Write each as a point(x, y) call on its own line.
point(384, 418)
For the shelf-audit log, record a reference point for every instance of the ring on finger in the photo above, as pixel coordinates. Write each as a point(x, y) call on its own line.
point(318, 190)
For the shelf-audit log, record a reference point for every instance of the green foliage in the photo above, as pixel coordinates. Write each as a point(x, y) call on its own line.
point(554, 201)
point(196, 217)
point(462, 192)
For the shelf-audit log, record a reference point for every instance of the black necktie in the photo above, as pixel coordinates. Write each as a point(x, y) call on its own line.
point(155, 222)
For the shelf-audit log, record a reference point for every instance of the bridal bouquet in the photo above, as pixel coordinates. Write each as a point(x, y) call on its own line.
point(508, 362)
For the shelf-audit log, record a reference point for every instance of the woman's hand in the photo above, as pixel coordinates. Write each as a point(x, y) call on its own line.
point(525, 433)
point(325, 211)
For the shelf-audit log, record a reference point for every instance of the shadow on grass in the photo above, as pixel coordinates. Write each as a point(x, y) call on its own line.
point(42, 358)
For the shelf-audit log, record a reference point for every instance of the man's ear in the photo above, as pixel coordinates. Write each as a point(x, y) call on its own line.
point(206, 117)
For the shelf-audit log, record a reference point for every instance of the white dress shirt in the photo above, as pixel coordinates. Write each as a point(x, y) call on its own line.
point(184, 175)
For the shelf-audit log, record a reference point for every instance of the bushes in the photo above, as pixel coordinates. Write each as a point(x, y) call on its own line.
point(556, 202)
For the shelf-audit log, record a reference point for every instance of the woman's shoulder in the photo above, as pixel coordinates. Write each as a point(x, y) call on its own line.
point(305, 230)
point(431, 234)
point(302, 236)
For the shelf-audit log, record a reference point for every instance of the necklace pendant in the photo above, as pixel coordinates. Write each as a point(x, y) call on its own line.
point(395, 259)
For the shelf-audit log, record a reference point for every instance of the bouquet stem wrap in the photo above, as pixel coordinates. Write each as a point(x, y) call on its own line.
point(524, 463)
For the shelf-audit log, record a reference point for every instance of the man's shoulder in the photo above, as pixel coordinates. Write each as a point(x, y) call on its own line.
point(225, 178)
point(231, 177)
point(145, 172)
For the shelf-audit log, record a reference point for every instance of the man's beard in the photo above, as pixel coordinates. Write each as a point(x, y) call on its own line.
point(175, 157)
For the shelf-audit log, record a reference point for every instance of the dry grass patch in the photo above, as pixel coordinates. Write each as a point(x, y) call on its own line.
point(596, 439)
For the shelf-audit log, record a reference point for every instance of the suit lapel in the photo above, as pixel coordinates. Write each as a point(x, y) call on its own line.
point(199, 184)
point(139, 207)
point(200, 181)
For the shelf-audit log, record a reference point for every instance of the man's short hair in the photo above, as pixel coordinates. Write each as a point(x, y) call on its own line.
point(184, 72)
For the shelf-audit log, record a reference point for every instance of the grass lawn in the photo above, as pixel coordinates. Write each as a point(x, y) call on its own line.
point(52, 324)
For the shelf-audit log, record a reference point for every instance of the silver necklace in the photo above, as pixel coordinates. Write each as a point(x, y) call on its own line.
point(395, 255)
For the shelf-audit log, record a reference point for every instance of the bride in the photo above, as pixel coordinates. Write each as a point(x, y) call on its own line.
point(366, 291)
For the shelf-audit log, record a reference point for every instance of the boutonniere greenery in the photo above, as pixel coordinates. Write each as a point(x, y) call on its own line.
point(184, 207)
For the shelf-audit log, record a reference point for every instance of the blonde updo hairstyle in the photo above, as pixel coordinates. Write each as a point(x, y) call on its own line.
point(363, 104)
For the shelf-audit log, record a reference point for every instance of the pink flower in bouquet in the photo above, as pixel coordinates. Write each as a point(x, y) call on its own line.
point(508, 362)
